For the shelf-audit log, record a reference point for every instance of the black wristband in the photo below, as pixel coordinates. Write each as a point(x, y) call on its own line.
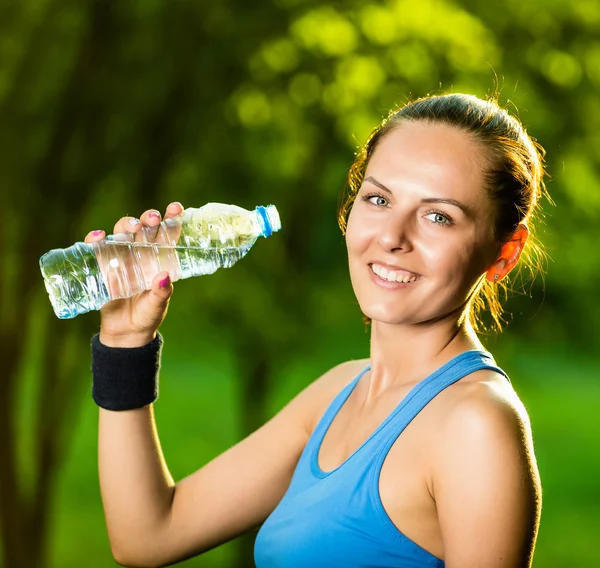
point(124, 378)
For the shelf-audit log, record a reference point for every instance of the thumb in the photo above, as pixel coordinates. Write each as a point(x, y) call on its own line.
point(162, 289)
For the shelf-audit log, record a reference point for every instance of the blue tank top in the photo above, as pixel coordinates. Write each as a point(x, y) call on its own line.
point(336, 519)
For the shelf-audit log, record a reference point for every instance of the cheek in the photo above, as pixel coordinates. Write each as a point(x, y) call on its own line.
point(481, 253)
point(357, 232)
point(441, 249)
point(450, 258)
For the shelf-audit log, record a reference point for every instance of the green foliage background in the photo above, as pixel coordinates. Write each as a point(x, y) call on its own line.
point(109, 108)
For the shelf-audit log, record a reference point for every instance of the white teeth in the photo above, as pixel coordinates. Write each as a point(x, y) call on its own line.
point(392, 275)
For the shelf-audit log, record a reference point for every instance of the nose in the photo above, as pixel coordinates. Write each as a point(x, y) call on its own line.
point(396, 232)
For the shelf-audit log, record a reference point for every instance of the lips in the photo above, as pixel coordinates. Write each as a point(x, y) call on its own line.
point(391, 273)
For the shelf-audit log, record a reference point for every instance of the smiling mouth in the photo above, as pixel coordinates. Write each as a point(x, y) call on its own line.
point(401, 276)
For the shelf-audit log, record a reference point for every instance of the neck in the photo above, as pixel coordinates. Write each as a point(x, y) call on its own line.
point(404, 354)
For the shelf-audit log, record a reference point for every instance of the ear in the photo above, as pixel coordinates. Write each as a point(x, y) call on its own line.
point(509, 255)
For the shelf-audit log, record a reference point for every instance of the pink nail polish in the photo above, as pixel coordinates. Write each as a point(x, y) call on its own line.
point(164, 282)
point(98, 232)
point(153, 214)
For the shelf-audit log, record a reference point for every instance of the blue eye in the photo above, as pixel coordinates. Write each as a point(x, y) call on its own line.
point(439, 218)
point(376, 199)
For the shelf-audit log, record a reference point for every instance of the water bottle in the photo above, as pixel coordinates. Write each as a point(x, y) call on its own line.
point(86, 276)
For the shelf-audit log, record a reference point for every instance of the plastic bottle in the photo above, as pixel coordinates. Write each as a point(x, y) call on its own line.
point(86, 276)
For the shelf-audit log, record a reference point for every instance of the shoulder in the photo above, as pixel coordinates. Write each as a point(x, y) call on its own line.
point(485, 408)
point(483, 416)
point(485, 478)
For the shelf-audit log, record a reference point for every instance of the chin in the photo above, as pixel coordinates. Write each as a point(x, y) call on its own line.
point(383, 314)
point(405, 315)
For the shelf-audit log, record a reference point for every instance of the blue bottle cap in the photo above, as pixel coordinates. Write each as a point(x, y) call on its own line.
point(270, 218)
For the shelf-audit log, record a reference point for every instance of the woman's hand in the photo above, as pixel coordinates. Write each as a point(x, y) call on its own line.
point(132, 322)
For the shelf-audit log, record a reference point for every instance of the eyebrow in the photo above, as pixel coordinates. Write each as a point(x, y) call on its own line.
point(446, 200)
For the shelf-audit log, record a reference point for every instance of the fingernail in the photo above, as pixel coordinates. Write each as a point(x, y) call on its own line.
point(177, 203)
point(134, 222)
point(153, 214)
point(164, 282)
point(98, 232)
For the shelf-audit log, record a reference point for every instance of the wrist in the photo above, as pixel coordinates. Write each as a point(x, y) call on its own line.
point(125, 378)
point(129, 340)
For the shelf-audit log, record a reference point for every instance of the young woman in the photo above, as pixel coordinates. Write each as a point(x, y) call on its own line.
point(420, 455)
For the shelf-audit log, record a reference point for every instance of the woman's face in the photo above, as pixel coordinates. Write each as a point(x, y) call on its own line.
point(419, 234)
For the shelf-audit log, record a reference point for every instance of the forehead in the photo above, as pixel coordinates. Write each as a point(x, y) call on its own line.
point(431, 158)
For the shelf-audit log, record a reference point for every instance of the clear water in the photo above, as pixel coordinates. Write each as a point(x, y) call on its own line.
point(84, 276)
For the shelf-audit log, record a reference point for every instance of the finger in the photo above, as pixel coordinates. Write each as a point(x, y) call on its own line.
point(174, 209)
point(162, 283)
point(127, 225)
point(94, 236)
point(151, 217)
point(173, 216)
point(150, 220)
point(160, 292)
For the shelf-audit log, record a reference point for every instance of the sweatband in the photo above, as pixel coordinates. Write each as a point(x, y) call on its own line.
point(124, 378)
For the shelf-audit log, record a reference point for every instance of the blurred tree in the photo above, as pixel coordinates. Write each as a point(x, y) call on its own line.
point(35, 155)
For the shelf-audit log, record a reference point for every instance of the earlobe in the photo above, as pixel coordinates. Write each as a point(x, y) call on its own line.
point(494, 273)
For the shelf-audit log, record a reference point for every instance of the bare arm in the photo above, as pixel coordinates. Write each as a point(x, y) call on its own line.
point(487, 486)
point(154, 522)
point(151, 520)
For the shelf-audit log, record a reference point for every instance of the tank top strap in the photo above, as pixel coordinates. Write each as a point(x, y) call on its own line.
point(426, 390)
point(331, 412)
